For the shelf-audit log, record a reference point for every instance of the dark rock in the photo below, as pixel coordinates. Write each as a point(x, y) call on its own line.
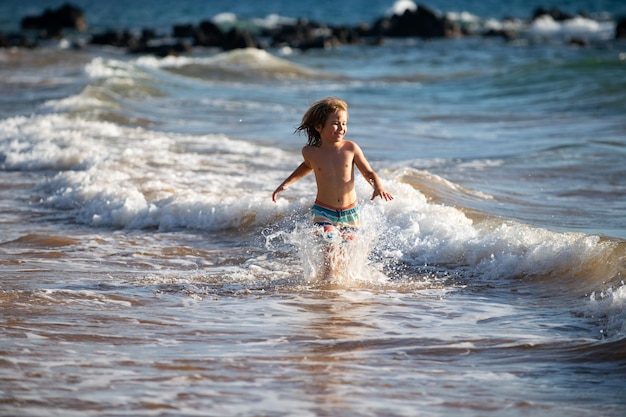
point(295, 34)
point(308, 35)
point(147, 35)
point(620, 29)
point(54, 21)
point(184, 31)
point(208, 34)
point(237, 39)
point(346, 35)
point(505, 34)
point(117, 38)
point(161, 50)
point(578, 42)
point(15, 40)
point(422, 22)
point(554, 12)
point(150, 43)
point(321, 42)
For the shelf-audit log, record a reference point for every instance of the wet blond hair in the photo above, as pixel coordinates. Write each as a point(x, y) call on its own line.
point(317, 115)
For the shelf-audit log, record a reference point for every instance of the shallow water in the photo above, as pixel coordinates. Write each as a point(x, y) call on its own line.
point(190, 347)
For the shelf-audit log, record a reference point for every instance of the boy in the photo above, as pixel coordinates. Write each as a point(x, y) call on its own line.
point(332, 158)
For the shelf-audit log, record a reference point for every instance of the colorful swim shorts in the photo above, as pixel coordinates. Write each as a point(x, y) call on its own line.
point(346, 219)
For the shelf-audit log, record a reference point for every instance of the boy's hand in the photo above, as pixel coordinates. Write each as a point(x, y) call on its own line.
point(278, 190)
point(379, 192)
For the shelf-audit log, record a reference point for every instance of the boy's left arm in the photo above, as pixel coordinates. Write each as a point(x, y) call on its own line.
point(370, 175)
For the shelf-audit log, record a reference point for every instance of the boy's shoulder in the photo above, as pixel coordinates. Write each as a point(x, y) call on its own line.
point(350, 145)
point(346, 145)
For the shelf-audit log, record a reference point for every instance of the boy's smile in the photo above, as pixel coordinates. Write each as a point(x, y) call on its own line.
point(335, 128)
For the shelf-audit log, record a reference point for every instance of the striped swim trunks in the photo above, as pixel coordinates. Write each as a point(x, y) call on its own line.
point(330, 218)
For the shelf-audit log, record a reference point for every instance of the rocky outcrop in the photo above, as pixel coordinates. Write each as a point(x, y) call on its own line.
point(304, 35)
point(422, 22)
point(53, 21)
point(620, 29)
point(117, 38)
point(15, 40)
point(205, 34)
point(555, 13)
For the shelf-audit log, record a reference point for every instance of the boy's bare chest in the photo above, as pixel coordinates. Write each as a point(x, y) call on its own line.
point(333, 161)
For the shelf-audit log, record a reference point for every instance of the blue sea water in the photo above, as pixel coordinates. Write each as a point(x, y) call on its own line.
point(146, 271)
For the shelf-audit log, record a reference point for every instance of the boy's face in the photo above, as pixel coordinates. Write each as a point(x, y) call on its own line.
point(335, 128)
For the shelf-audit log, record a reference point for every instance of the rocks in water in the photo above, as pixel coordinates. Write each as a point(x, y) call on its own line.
point(422, 22)
point(555, 13)
point(620, 29)
point(53, 21)
point(15, 40)
point(206, 34)
point(307, 35)
point(117, 38)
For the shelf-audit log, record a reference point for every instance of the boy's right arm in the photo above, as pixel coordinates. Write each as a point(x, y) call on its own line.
point(302, 171)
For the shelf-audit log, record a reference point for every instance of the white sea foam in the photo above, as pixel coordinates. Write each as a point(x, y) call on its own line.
point(100, 67)
point(106, 183)
point(225, 18)
point(577, 27)
point(427, 233)
point(401, 6)
point(248, 61)
point(610, 307)
point(103, 182)
point(51, 142)
point(273, 20)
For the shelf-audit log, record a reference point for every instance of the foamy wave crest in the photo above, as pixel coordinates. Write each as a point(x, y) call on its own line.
point(420, 232)
point(127, 79)
point(118, 200)
point(49, 143)
point(247, 63)
point(578, 27)
point(609, 306)
point(400, 7)
point(115, 85)
point(104, 174)
point(109, 175)
point(415, 236)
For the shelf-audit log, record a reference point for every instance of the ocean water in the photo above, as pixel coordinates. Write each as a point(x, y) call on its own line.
point(146, 271)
